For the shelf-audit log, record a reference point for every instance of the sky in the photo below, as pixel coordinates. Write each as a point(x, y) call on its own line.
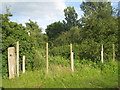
point(44, 12)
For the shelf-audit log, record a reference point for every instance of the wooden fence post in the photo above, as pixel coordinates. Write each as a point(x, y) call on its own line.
point(72, 62)
point(23, 64)
point(113, 52)
point(17, 59)
point(102, 53)
point(71, 58)
point(47, 57)
point(11, 62)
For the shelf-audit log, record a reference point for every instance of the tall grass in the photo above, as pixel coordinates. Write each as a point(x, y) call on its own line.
point(87, 75)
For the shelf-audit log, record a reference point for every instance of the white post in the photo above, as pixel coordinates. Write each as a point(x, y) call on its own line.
point(102, 53)
point(23, 65)
point(72, 62)
point(47, 57)
point(113, 52)
point(17, 52)
point(71, 58)
point(11, 62)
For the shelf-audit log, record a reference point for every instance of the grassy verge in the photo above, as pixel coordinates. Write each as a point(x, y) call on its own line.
point(85, 76)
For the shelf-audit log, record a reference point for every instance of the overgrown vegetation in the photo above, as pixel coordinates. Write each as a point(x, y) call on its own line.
point(99, 25)
point(87, 75)
point(29, 46)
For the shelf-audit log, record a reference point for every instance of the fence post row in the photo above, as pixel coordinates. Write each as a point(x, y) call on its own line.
point(13, 63)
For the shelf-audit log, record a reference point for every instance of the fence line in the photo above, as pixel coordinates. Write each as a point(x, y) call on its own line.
point(14, 68)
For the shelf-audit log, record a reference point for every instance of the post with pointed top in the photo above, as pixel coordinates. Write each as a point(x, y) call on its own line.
point(17, 58)
point(113, 52)
point(46, 57)
point(71, 58)
point(23, 65)
point(102, 53)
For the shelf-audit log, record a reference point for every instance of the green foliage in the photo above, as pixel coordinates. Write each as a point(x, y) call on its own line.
point(99, 23)
point(71, 36)
point(11, 32)
point(97, 28)
point(32, 26)
point(29, 44)
point(58, 60)
point(54, 30)
point(87, 75)
point(70, 18)
point(60, 51)
point(88, 49)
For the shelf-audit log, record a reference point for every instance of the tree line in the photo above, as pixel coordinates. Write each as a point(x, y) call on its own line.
point(98, 25)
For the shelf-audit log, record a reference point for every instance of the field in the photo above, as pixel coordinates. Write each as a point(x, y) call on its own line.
point(86, 75)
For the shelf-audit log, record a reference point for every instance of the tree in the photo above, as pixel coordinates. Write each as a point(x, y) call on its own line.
point(70, 18)
point(98, 21)
point(118, 17)
point(100, 25)
point(71, 36)
point(33, 28)
point(54, 30)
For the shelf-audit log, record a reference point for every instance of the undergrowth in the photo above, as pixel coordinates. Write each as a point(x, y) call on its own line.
point(87, 74)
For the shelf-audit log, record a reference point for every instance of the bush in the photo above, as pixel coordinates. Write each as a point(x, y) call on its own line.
point(58, 60)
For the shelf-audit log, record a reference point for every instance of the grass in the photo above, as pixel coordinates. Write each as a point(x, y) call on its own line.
point(85, 76)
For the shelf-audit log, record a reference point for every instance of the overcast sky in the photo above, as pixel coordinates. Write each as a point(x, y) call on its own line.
point(44, 12)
